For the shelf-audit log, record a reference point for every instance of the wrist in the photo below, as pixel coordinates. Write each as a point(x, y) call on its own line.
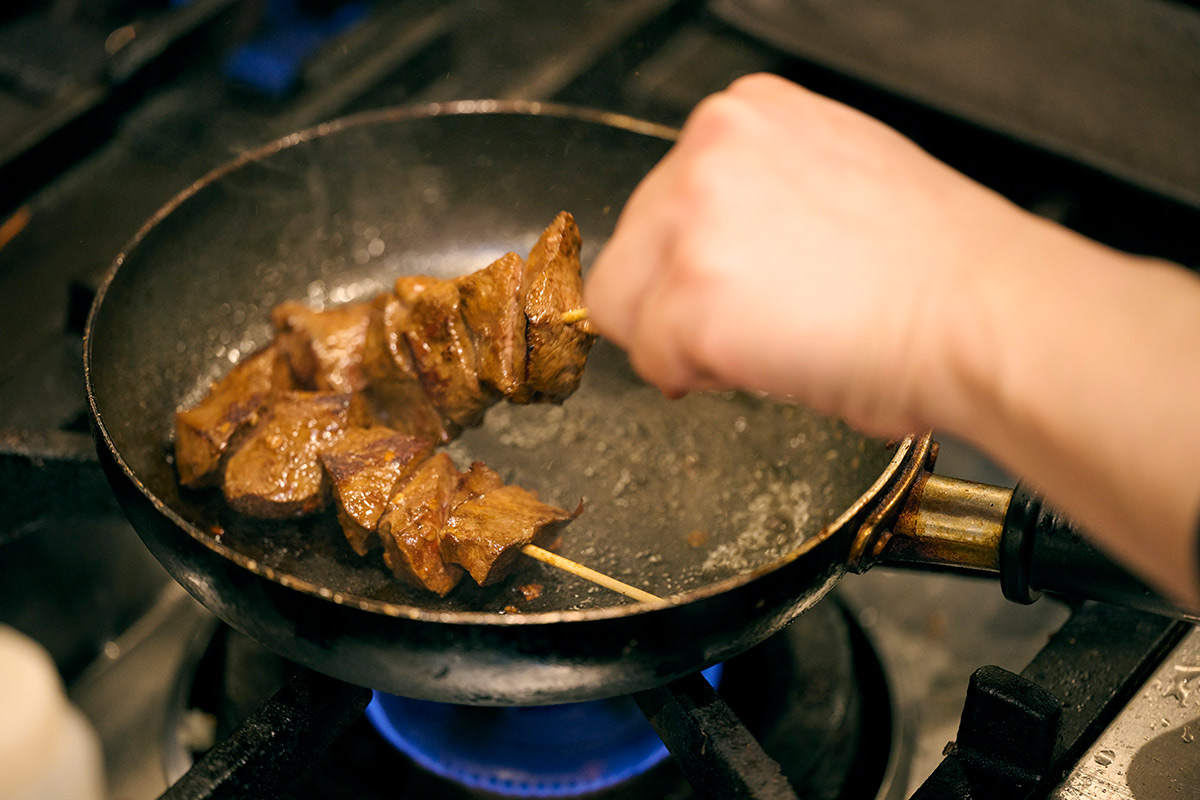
point(985, 312)
point(1025, 344)
point(1074, 366)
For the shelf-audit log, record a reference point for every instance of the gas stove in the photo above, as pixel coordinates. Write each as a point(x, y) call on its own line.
point(151, 95)
point(816, 697)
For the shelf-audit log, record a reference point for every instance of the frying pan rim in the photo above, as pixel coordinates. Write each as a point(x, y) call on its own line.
point(367, 604)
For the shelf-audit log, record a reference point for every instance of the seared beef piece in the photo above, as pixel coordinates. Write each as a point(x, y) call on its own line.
point(478, 479)
point(442, 350)
point(411, 526)
point(394, 389)
point(485, 533)
point(276, 472)
point(553, 283)
point(204, 432)
point(365, 466)
point(492, 306)
point(324, 348)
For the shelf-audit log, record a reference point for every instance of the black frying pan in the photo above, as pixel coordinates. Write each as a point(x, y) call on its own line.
point(741, 511)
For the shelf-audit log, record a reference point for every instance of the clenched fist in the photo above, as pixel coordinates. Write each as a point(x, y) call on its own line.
point(792, 245)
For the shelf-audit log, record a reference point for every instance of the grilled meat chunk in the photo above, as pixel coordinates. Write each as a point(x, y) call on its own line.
point(411, 526)
point(553, 283)
point(478, 479)
point(442, 521)
point(276, 473)
point(492, 306)
point(442, 350)
point(365, 465)
point(485, 533)
point(207, 431)
point(300, 421)
point(394, 389)
point(324, 348)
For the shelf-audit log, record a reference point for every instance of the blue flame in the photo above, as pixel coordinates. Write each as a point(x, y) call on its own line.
point(534, 751)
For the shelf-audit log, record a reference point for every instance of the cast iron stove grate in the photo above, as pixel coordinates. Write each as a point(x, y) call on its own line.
point(815, 697)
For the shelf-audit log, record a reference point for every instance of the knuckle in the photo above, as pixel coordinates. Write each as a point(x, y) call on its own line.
point(716, 117)
point(757, 82)
point(705, 184)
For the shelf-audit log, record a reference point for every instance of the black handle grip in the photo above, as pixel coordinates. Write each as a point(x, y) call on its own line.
point(1040, 551)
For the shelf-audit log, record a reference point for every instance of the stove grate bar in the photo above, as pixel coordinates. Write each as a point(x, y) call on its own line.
point(268, 751)
point(717, 754)
point(1020, 733)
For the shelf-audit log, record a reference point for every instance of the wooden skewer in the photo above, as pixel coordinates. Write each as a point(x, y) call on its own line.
point(574, 315)
point(588, 574)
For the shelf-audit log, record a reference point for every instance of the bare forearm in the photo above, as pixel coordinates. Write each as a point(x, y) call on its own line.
point(1079, 368)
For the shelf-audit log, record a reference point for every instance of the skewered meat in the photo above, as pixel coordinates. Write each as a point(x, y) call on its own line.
point(493, 308)
point(443, 521)
point(204, 432)
point(364, 467)
point(276, 472)
point(411, 526)
point(553, 283)
point(478, 479)
point(485, 533)
point(429, 357)
point(324, 348)
point(442, 350)
point(384, 382)
point(394, 389)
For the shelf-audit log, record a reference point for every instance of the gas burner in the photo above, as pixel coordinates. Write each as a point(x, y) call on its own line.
point(539, 751)
point(816, 696)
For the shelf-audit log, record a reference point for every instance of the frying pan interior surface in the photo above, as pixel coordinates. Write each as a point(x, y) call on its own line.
point(678, 496)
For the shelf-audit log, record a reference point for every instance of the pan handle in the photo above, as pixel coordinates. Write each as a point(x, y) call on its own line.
point(974, 527)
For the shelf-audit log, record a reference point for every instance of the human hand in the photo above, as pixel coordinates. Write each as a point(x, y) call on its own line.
point(793, 245)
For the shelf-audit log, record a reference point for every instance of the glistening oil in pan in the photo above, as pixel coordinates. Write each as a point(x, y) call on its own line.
point(676, 494)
